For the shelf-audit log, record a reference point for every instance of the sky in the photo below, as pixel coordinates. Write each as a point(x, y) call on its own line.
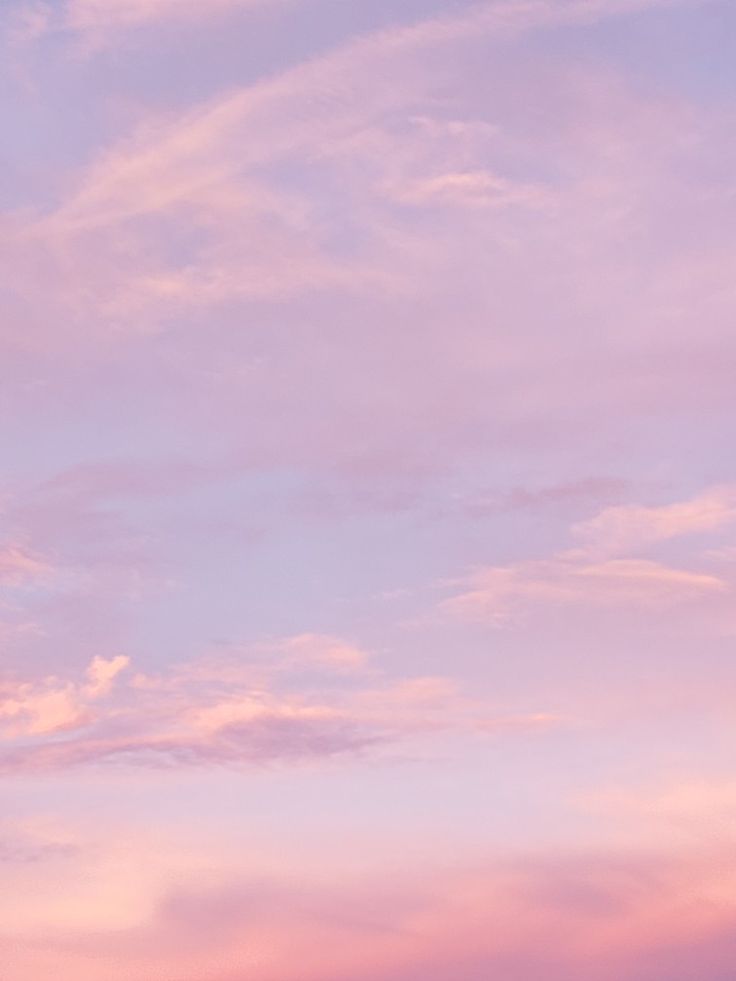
point(367, 499)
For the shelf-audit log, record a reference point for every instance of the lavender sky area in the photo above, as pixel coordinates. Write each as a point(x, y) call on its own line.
point(368, 499)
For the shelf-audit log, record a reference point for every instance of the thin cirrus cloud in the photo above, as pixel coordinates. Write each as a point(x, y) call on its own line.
point(206, 168)
point(497, 594)
point(100, 22)
point(106, 245)
point(473, 189)
point(87, 15)
point(106, 15)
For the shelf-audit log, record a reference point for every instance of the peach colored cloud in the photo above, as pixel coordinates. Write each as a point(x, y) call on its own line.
point(594, 575)
point(476, 188)
point(212, 713)
point(53, 706)
point(102, 673)
point(319, 650)
point(496, 594)
point(630, 528)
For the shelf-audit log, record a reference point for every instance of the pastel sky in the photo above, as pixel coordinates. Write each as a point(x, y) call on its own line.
point(368, 490)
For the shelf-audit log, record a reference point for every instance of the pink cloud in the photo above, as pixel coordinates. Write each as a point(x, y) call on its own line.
point(102, 673)
point(223, 713)
point(474, 189)
point(37, 712)
point(630, 528)
point(496, 594)
point(599, 572)
point(18, 566)
point(325, 651)
point(54, 706)
point(573, 917)
point(315, 343)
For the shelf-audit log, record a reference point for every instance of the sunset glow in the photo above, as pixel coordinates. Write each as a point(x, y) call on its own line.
point(368, 502)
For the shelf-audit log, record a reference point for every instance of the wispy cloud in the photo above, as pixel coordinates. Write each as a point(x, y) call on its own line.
point(93, 15)
point(607, 569)
point(97, 24)
point(241, 710)
point(498, 594)
point(18, 566)
point(630, 528)
point(205, 169)
point(334, 333)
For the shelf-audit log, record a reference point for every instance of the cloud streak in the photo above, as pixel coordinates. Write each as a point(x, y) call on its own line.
point(241, 711)
point(606, 569)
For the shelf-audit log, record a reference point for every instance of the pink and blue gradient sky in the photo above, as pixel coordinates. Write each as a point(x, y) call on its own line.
point(368, 502)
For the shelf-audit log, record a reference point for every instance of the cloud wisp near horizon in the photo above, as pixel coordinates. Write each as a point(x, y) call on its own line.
point(368, 512)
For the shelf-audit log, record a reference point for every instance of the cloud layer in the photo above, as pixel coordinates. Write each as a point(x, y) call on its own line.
point(367, 509)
